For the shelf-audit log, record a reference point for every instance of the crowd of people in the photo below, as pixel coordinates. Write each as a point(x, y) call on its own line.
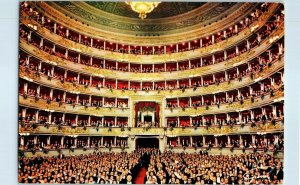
point(165, 167)
point(202, 168)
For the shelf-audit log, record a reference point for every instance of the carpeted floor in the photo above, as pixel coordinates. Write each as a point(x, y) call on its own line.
point(141, 175)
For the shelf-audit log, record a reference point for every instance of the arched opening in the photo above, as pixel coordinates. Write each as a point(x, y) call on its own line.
point(147, 142)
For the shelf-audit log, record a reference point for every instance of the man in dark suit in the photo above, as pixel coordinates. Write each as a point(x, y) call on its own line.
point(128, 180)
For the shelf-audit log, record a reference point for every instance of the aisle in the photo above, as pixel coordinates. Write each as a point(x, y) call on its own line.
point(140, 177)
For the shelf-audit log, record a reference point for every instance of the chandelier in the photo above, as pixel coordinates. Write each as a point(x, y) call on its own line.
point(142, 8)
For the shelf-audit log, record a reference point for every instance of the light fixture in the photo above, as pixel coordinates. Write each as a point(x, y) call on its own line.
point(142, 8)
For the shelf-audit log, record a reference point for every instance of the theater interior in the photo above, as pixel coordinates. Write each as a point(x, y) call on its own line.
point(192, 84)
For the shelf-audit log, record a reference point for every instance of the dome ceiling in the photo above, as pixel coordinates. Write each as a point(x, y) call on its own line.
point(167, 18)
point(163, 10)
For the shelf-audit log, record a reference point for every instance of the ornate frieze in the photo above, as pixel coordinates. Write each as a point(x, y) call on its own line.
point(91, 131)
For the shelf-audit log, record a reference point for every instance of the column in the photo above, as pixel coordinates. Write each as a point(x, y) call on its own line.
point(274, 110)
point(62, 141)
point(213, 39)
point(79, 38)
point(50, 116)
point(91, 80)
point(237, 50)
point(90, 100)
point(177, 48)
point(227, 117)
point(38, 90)
point(42, 42)
point(216, 141)
point(280, 48)
point(226, 95)
point(66, 74)
point(262, 86)
point(55, 27)
point(51, 94)
point(22, 141)
point(67, 33)
point(203, 140)
point(253, 139)
point(270, 55)
point(115, 141)
point(213, 58)
point(63, 118)
point(77, 99)
point(102, 141)
point(201, 43)
point(189, 45)
point(248, 45)
point(89, 121)
point(228, 140)
point(225, 55)
point(64, 96)
point(251, 114)
point(241, 140)
point(201, 62)
point(88, 141)
point(37, 116)
point(67, 53)
point(53, 49)
point(76, 120)
point(75, 142)
point(49, 140)
point(215, 119)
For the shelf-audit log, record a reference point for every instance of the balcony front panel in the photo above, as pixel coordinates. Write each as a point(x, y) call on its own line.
point(236, 106)
point(68, 108)
point(243, 58)
point(222, 87)
point(132, 132)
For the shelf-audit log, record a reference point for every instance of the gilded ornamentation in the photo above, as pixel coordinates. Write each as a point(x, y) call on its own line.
point(224, 130)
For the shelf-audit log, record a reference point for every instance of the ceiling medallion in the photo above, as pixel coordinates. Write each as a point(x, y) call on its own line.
point(142, 8)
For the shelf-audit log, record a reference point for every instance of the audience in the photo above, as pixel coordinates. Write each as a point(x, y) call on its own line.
point(165, 167)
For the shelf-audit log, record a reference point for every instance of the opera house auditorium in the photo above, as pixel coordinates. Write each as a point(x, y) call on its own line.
point(151, 93)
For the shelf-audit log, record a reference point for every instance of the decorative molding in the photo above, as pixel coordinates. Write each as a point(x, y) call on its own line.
point(190, 131)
